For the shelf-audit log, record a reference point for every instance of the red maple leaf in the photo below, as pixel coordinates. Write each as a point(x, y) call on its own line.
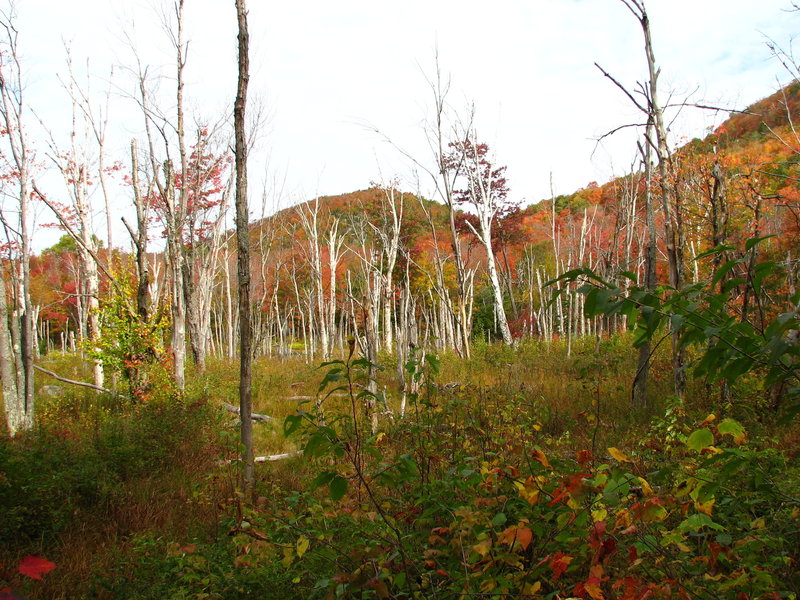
point(34, 566)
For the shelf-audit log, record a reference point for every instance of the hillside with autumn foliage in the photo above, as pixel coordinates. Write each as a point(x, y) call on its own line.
point(738, 182)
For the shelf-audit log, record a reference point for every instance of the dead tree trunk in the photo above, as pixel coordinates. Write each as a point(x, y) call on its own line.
point(643, 365)
point(243, 254)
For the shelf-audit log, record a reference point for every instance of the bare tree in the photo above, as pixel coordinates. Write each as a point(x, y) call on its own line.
point(639, 395)
point(325, 317)
point(79, 172)
point(444, 181)
point(486, 191)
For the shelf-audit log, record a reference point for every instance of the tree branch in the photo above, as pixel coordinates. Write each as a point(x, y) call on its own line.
point(623, 88)
point(79, 383)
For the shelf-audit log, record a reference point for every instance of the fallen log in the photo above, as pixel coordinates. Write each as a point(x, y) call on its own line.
point(274, 457)
point(254, 416)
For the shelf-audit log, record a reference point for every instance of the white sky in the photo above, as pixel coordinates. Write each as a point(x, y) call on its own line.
point(325, 70)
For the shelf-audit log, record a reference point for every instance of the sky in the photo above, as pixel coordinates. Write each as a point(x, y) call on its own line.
point(344, 85)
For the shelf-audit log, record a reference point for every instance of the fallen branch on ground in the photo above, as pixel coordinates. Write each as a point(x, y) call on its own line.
point(274, 457)
point(254, 416)
point(268, 458)
point(80, 383)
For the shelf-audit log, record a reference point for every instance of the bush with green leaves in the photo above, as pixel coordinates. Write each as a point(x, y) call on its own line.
point(727, 342)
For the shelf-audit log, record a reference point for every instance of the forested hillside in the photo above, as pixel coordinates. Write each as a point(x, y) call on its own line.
point(593, 396)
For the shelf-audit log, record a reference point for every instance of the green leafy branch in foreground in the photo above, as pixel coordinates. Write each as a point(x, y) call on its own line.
point(728, 344)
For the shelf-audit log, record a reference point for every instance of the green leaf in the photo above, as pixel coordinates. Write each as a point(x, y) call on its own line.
point(291, 423)
point(714, 250)
point(700, 439)
point(499, 519)
point(433, 363)
point(338, 487)
point(323, 478)
point(748, 245)
point(722, 271)
point(734, 428)
point(697, 521)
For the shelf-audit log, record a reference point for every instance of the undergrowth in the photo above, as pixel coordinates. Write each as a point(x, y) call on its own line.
point(522, 473)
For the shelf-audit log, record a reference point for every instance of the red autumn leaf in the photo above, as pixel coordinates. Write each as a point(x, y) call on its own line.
point(34, 567)
point(558, 495)
point(584, 456)
point(559, 564)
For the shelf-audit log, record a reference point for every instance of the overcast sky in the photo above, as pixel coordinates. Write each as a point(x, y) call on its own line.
point(328, 72)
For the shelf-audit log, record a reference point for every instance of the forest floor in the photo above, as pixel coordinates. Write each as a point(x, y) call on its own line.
point(521, 473)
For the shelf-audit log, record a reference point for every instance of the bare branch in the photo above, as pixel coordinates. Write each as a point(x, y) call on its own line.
point(622, 87)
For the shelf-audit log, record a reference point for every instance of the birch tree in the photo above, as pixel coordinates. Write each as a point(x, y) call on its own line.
point(17, 354)
point(389, 231)
point(486, 191)
point(444, 181)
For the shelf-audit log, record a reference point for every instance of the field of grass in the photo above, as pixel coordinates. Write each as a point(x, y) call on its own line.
point(520, 473)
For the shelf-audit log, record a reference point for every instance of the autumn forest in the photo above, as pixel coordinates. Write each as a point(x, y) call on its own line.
point(388, 393)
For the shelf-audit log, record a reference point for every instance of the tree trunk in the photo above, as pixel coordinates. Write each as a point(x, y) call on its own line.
point(643, 365)
point(672, 211)
point(243, 254)
point(14, 408)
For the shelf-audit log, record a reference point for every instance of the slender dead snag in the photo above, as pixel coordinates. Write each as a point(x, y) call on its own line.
point(656, 137)
point(8, 377)
point(78, 171)
point(309, 219)
point(671, 206)
point(243, 253)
